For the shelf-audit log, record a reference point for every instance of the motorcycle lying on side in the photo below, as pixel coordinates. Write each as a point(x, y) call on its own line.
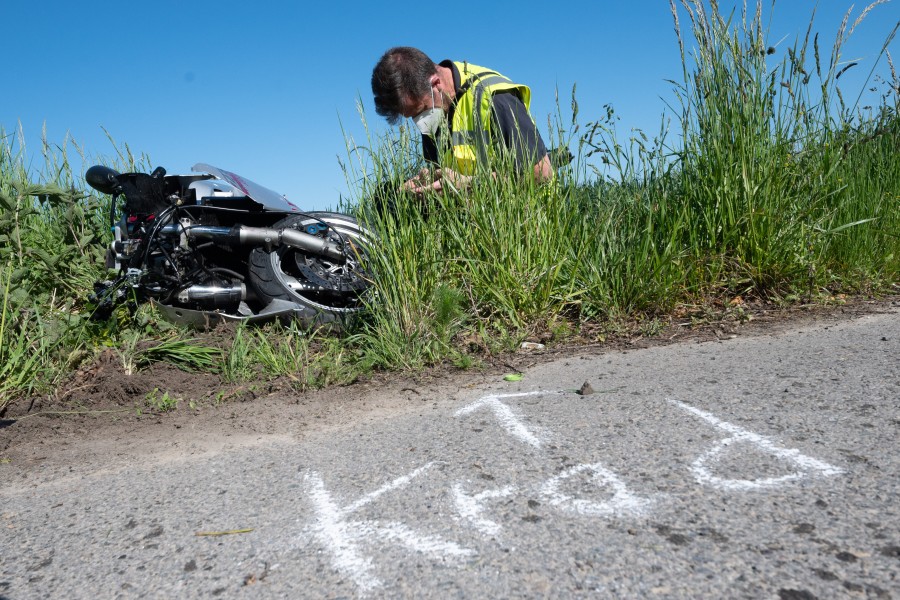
point(214, 246)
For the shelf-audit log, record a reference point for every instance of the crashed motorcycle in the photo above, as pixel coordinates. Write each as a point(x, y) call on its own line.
point(213, 246)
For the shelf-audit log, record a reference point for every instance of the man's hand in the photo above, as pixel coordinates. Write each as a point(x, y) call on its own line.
point(423, 181)
point(543, 170)
point(435, 180)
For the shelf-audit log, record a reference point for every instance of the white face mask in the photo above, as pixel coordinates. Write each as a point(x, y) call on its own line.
point(429, 120)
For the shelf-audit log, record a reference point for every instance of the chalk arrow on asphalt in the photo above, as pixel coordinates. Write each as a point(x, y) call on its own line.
point(506, 416)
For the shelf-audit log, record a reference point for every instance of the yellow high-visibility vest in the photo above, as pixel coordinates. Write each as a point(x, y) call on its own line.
point(470, 146)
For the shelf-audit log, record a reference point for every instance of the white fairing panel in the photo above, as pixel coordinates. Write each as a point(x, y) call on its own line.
point(268, 198)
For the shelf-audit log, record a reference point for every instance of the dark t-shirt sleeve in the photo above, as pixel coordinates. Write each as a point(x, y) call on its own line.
point(430, 150)
point(516, 130)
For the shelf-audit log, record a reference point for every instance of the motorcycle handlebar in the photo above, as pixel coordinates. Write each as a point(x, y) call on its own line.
point(103, 179)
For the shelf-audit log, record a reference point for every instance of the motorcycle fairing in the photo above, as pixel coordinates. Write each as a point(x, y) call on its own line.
point(270, 199)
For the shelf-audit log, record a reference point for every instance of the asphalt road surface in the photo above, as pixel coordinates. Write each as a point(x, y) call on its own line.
point(757, 467)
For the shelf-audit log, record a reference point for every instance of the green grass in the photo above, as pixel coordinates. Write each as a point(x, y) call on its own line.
point(23, 347)
point(780, 181)
point(773, 183)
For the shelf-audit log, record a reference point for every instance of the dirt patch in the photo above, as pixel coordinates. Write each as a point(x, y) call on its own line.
point(103, 417)
point(707, 324)
point(103, 384)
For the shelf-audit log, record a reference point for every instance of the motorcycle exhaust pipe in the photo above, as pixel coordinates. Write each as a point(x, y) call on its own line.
point(213, 296)
point(262, 236)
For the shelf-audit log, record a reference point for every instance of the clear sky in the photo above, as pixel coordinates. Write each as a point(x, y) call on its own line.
point(263, 87)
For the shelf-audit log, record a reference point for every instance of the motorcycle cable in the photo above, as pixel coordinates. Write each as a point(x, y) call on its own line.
point(204, 268)
point(229, 272)
point(151, 237)
point(112, 210)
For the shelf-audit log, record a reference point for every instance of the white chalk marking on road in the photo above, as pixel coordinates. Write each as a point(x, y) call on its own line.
point(470, 507)
point(622, 503)
point(507, 417)
point(340, 537)
point(393, 485)
point(343, 537)
point(426, 544)
point(804, 464)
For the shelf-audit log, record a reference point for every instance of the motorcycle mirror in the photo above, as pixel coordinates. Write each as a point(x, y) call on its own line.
point(103, 179)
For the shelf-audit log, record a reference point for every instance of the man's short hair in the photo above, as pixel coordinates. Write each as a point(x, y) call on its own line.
point(401, 72)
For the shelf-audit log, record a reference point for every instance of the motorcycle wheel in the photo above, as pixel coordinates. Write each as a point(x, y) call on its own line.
point(324, 291)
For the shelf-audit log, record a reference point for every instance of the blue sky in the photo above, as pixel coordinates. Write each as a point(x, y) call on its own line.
point(263, 88)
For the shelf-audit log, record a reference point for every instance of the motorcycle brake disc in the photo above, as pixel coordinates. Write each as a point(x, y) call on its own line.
point(319, 272)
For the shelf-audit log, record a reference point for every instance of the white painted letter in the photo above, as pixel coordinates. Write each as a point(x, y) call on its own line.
point(508, 419)
point(343, 537)
point(469, 507)
point(803, 464)
point(622, 503)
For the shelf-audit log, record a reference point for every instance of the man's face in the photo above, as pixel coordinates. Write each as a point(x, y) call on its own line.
point(413, 105)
